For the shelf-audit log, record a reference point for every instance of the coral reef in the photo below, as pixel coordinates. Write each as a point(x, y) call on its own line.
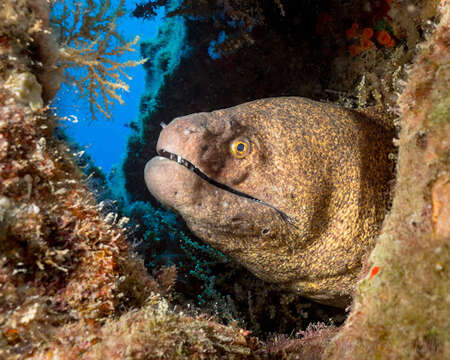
point(71, 285)
point(155, 332)
point(61, 261)
point(236, 17)
point(378, 34)
point(401, 309)
point(308, 344)
point(87, 40)
point(381, 40)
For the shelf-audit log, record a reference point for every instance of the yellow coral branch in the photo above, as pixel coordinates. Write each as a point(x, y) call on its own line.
point(87, 44)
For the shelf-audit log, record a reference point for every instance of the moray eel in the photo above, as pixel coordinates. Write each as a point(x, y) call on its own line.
point(292, 189)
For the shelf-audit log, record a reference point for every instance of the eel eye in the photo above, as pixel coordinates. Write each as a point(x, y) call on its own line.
point(239, 148)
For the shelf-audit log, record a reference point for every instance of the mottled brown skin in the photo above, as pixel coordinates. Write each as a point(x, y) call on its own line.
point(325, 166)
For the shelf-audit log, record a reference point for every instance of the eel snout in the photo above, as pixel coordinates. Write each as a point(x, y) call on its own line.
point(167, 179)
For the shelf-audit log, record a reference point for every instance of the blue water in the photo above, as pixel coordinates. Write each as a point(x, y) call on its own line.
point(105, 140)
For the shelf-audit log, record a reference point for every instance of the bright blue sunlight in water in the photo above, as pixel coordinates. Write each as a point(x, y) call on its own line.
point(105, 140)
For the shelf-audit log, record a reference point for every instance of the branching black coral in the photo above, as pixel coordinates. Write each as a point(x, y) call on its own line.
point(147, 9)
point(89, 41)
point(237, 17)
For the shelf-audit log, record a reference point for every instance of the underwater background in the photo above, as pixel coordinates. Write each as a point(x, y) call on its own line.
point(113, 150)
point(93, 266)
point(187, 71)
point(105, 141)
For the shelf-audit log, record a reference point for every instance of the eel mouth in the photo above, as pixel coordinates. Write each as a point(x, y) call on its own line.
point(191, 167)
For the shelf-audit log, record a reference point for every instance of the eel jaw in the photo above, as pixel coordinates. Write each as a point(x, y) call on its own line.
point(191, 167)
